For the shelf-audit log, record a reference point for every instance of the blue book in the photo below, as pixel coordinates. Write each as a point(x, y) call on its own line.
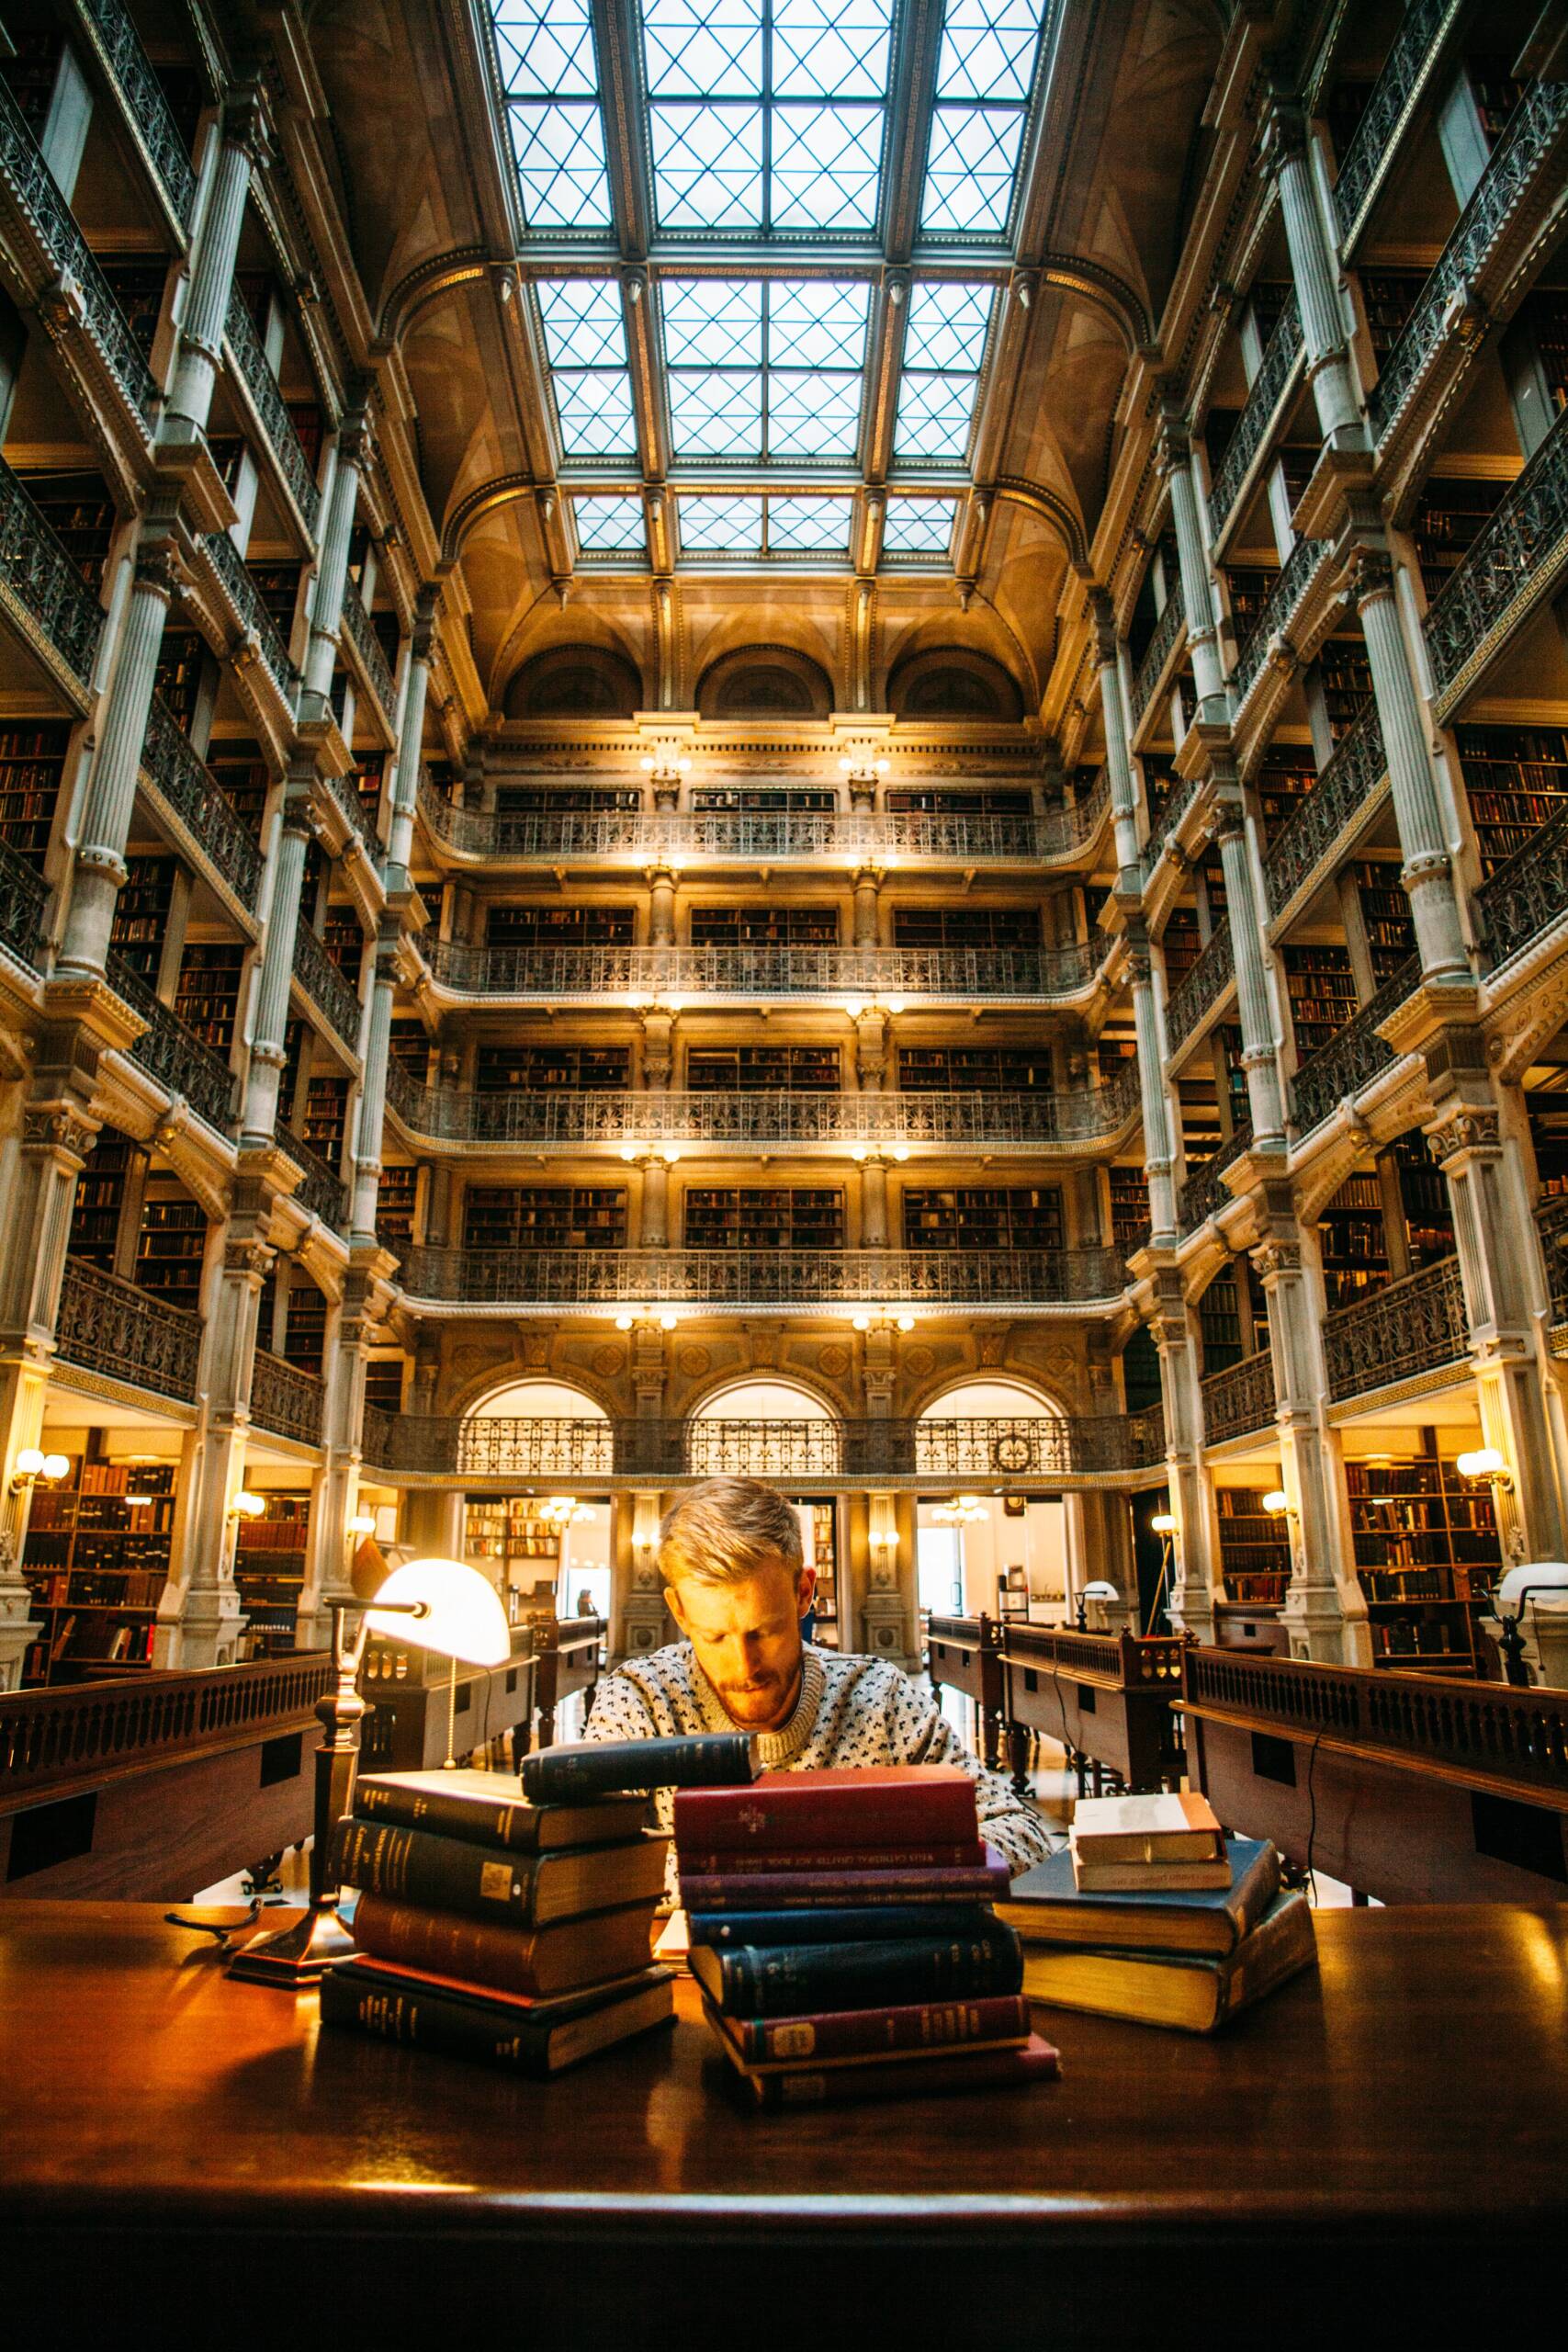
point(1046, 1907)
point(888, 1923)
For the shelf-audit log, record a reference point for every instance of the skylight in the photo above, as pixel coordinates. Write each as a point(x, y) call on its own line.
point(919, 526)
point(765, 527)
point(585, 339)
point(762, 370)
point(610, 526)
point(984, 77)
point(944, 344)
point(549, 81)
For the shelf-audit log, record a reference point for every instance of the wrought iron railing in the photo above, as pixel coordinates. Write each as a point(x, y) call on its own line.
point(41, 583)
point(1239, 1400)
point(1552, 1224)
point(1157, 652)
point(1514, 561)
point(325, 986)
point(1168, 819)
point(151, 118)
point(1278, 609)
point(179, 1060)
point(1337, 1071)
point(1530, 135)
point(107, 1324)
point(1274, 372)
point(869, 972)
point(1348, 782)
point(272, 409)
point(1414, 1326)
point(1020, 1278)
point(286, 1400)
point(1412, 53)
point(34, 189)
point(179, 778)
point(1203, 1194)
point(245, 597)
point(24, 897)
point(1146, 1436)
point(355, 811)
point(1200, 987)
point(319, 1190)
point(1526, 895)
point(367, 650)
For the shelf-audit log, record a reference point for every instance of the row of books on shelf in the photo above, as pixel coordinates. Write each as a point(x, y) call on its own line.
point(1419, 1638)
point(127, 1589)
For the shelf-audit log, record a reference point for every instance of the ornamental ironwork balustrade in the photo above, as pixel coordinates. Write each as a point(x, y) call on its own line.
point(1278, 608)
point(1018, 1278)
point(266, 398)
point(1410, 56)
point(1337, 1071)
point(107, 1324)
point(1204, 1195)
point(284, 1400)
point(1552, 1224)
point(1157, 652)
point(245, 597)
point(1510, 564)
point(41, 582)
point(1274, 372)
point(1526, 894)
point(367, 650)
point(177, 1058)
point(24, 896)
point(180, 776)
point(1200, 987)
point(34, 189)
point(1239, 1400)
point(325, 986)
point(1168, 819)
point(151, 118)
point(1145, 1437)
point(1527, 137)
point(870, 972)
point(1353, 774)
point(1413, 1326)
point(356, 814)
point(321, 1188)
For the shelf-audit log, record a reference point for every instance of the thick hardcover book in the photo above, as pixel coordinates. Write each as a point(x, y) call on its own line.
point(433, 2014)
point(449, 1874)
point(807, 1980)
point(1152, 1828)
point(984, 1881)
point(1150, 1878)
point(721, 1861)
point(533, 1961)
point(853, 2037)
point(975, 2070)
point(589, 1768)
point(1195, 1991)
point(867, 1923)
point(1046, 1907)
point(485, 1808)
point(896, 1806)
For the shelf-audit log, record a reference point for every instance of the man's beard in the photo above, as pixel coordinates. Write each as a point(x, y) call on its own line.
point(761, 1700)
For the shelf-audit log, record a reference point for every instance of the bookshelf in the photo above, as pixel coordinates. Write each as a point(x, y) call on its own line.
point(1219, 1317)
point(343, 937)
point(1548, 1114)
point(1141, 1383)
point(80, 512)
point(1385, 913)
point(1182, 943)
point(1495, 91)
point(240, 773)
point(565, 800)
point(100, 1193)
point(171, 1245)
point(1388, 297)
point(1452, 513)
point(395, 1196)
point(984, 1217)
point(1424, 1195)
point(507, 1531)
point(823, 1516)
point(277, 589)
point(758, 1217)
point(551, 1069)
point(560, 926)
point(384, 1384)
point(182, 660)
point(1547, 312)
point(1517, 778)
point(1427, 1553)
point(1321, 991)
point(545, 1216)
point(1347, 103)
point(1353, 1241)
point(768, 926)
point(1285, 775)
point(980, 927)
point(326, 1118)
point(33, 761)
point(408, 1046)
point(1129, 1206)
point(763, 1069)
point(939, 801)
point(137, 288)
point(763, 800)
point(1344, 677)
point(96, 1563)
point(141, 914)
point(1255, 1552)
point(269, 1568)
point(979, 1069)
point(365, 780)
point(306, 418)
point(208, 996)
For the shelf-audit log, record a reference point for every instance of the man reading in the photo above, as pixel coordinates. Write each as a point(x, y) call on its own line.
point(738, 1587)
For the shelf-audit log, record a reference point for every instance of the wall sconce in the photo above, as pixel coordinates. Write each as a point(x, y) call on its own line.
point(1163, 1522)
point(855, 1005)
point(625, 1322)
point(1276, 1503)
point(666, 770)
point(33, 1464)
point(245, 1505)
point(362, 1524)
point(1486, 1464)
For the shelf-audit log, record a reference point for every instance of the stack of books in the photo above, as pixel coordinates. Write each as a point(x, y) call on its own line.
point(1152, 1913)
point(492, 1927)
point(840, 1929)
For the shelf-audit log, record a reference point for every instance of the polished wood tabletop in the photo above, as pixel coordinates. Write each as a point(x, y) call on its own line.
point(1403, 2106)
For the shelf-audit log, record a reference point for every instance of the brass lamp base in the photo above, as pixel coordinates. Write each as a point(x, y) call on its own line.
point(296, 1956)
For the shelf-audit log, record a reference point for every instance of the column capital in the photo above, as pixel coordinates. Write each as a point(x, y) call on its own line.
point(422, 637)
point(157, 574)
point(1284, 131)
point(247, 122)
point(248, 1255)
point(1102, 614)
point(1367, 574)
point(1274, 1259)
point(58, 1129)
point(1461, 1133)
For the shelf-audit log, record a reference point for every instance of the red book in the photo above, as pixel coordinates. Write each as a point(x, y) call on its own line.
point(962, 2070)
point(892, 1804)
point(725, 1863)
point(838, 2035)
point(985, 1881)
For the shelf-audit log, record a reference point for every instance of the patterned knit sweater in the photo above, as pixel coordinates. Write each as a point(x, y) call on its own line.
point(851, 1710)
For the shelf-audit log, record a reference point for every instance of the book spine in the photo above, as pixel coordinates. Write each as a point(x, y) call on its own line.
point(724, 1929)
point(801, 1814)
point(1284, 1942)
point(1037, 2061)
point(783, 1891)
point(921, 2025)
point(479, 1949)
point(591, 1768)
point(806, 1980)
point(426, 2021)
point(442, 1872)
point(729, 1862)
point(512, 1828)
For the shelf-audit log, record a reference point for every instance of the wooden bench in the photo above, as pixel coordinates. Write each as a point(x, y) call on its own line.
point(965, 1654)
point(1110, 1699)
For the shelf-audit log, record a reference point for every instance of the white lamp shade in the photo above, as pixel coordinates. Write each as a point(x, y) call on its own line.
point(463, 1616)
point(1537, 1578)
point(1099, 1590)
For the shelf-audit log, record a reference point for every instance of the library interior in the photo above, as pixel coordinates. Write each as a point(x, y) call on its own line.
point(820, 742)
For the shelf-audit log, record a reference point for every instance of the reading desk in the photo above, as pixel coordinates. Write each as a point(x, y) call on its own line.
point(1381, 2148)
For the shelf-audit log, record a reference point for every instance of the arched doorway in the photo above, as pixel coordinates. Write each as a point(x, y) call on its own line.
point(984, 1549)
point(775, 1431)
point(546, 1540)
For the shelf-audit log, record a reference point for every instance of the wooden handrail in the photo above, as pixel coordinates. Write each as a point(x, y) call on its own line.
point(49, 1738)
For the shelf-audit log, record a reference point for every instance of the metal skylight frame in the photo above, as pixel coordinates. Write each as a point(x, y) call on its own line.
point(765, 371)
point(550, 83)
point(987, 73)
point(945, 340)
point(916, 530)
point(773, 526)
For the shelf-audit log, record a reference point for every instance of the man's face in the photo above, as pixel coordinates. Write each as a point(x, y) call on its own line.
point(747, 1638)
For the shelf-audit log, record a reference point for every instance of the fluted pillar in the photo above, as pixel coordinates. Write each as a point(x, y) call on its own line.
point(654, 1230)
point(1197, 1578)
point(868, 886)
point(661, 881)
point(332, 575)
point(1118, 759)
point(212, 268)
point(335, 1496)
point(373, 1087)
point(1158, 1153)
point(1314, 273)
point(1197, 596)
point(870, 1050)
point(411, 743)
point(200, 1616)
point(99, 868)
point(874, 1203)
point(1243, 912)
point(277, 970)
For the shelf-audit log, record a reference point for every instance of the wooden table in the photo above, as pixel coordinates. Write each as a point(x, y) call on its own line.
point(1381, 2146)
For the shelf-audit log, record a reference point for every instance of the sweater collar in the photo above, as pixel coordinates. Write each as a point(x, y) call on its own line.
point(775, 1748)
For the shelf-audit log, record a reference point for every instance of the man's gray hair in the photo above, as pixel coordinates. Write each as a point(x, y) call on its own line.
point(727, 1529)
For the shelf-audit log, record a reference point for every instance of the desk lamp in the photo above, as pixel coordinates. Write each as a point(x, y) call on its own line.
point(437, 1605)
point(1096, 1590)
point(1517, 1587)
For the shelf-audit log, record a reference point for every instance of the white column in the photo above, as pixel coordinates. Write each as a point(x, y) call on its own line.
point(1176, 464)
point(373, 1087)
point(1244, 913)
point(411, 744)
point(331, 577)
point(277, 970)
point(1118, 761)
point(212, 270)
point(1314, 273)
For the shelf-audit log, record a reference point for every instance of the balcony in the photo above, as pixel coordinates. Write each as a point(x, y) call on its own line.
point(328, 991)
point(1240, 1400)
point(1169, 630)
point(284, 1400)
point(109, 1325)
point(1413, 1327)
point(1337, 1071)
point(1527, 898)
point(24, 900)
point(1023, 1280)
point(1270, 629)
point(356, 816)
point(146, 109)
point(364, 647)
point(1346, 796)
point(252, 615)
point(270, 410)
point(1204, 1195)
point(1201, 989)
point(1278, 373)
point(1413, 56)
point(320, 1189)
point(1168, 822)
point(209, 827)
point(42, 593)
point(589, 975)
point(185, 1066)
point(1517, 558)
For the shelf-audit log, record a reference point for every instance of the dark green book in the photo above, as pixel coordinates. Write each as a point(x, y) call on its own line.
point(527, 2037)
point(453, 1875)
point(485, 1809)
point(1046, 1907)
point(592, 1768)
point(799, 1980)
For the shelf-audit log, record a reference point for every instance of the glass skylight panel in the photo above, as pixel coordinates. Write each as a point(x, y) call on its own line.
point(549, 80)
point(585, 339)
point(610, 526)
point(919, 526)
point(767, 116)
point(754, 527)
point(721, 526)
point(944, 344)
point(808, 526)
point(984, 73)
point(762, 370)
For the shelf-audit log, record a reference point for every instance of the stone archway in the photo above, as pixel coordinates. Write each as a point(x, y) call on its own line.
point(1007, 1552)
point(771, 1428)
